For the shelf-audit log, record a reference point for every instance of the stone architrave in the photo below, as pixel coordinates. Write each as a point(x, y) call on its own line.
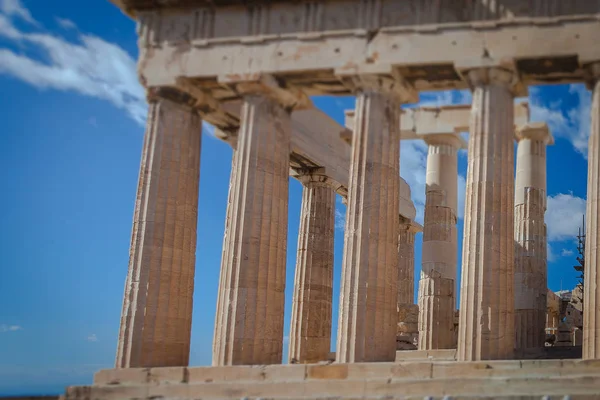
point(437, 297)
point(591, 288)
point(530, 236)
point(369, 287)
point(310, 333)
point(250, 304)
point(157, 307)
point(486, 327)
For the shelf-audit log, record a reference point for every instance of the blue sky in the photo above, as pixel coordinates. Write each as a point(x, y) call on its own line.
point(72, 117)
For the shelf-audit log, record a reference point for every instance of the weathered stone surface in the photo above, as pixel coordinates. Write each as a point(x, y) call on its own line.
point(417, 379)
point(310, 333)
point(249, 318)
point(369, 288)
point(157, 306)
point(530, 236)
point(591, 296)
point(486, 328)
point(406, 262)
point(437, 297)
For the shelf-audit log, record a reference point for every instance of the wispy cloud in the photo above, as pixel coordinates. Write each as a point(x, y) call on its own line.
point(92, 338)
point(65, 23)
point(572, 124)
point(15, 8)
point(550, 255)
point(340, 220)
point(566, 253)
point(10, 328)
point(563, 217)
point(92, 67)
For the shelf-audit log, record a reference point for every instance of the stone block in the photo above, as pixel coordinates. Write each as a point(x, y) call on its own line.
point(285, 372)
point(206, 374)
point(114, 392)
point(323, 389)
point(169, 375)
point(333, 371)
point(413, 370)
point(121, 376)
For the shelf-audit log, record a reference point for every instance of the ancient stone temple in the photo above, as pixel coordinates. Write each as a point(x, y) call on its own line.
point(250, 69)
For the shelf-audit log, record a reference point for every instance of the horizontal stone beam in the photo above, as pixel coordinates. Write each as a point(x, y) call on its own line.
point(314, 52)
point(418, 123)
point(317, 143)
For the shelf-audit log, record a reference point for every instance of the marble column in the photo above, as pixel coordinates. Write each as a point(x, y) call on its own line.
point(437, 297)
point(406, 262)
point(369, 286)
point(310, 333)
point(591, 296)
point(157, 307)
point(408, 311)
point(531, 285)
point(250, 304)
point(486, 325)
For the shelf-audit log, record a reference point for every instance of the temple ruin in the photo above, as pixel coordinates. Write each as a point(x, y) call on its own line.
point(249, 69)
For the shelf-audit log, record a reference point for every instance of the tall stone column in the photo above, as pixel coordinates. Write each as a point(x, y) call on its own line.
point(486, 325)
point(310, 333)
point(531, 285)
point(406, 262)
point(250, 304)
point(437, 297)
point(369, 288)
point(157, 306)
point(591, 288)
point(408, 311)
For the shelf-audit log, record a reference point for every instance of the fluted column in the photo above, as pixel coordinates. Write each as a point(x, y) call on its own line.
point(406, 262)
point(437, 297)
point(310, 333)
point(369, 287)
point(157, 306)
point(591, 296)
point(486, 325)
point(408, 311)
point(531, 286)
point(250, 304)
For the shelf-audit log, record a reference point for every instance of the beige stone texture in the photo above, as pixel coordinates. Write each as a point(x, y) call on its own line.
point(519, 379)
point(157, 305)
point(406, 261)
point(530, 236)
point(310, 332)
point(369, 284)
point(437, 286)
point(250, 304)
point(486, 327)
point(591, 295)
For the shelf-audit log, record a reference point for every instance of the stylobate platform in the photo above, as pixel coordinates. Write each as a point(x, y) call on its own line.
point(549, 379)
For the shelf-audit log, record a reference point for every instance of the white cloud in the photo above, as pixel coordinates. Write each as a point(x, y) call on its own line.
point(65, 23)
point(413, 165)
point(572, 124)
point(550, 255)
point(444, 98)
point(10, 328)
point(564, 216)
point(566, 253)
point(92, 338)
point(340, 220)
point(15, 8)
point(92, 67)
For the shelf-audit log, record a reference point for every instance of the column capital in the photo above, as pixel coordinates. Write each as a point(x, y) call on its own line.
point(389, 84)
point(593, 74)
point(410, 225)
point(450, 139)
point(289, 97)
point(316, 177)
point(535, 131)
point(491, 76)
point(179, 97)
